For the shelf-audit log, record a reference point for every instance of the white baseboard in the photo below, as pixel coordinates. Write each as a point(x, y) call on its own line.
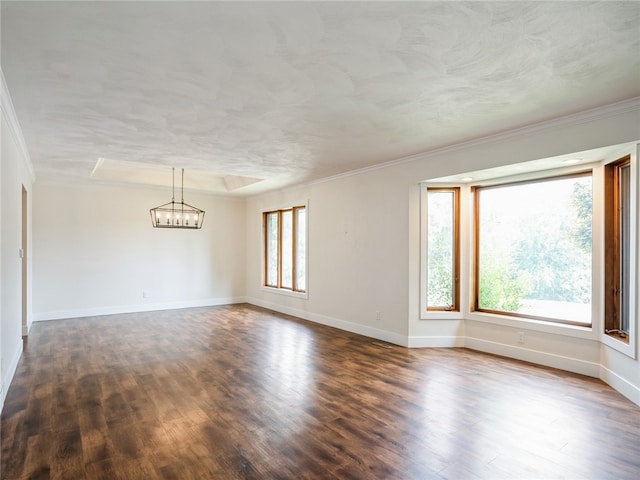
point(583, 367)
point(145, 307)
point(6, 379)
point(620, 384)
point(345, 325)
point(436, 342)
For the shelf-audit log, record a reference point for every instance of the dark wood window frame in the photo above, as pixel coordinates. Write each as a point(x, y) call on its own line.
point(294, 238)
point(613, 250)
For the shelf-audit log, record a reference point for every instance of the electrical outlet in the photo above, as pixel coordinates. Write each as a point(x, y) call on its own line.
point(377, 316)
point(520, 337)
point(146, 294)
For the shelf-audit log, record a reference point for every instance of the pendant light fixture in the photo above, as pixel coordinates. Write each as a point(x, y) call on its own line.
point(176, 214)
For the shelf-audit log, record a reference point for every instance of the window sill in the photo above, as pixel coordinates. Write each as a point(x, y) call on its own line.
point(622, 345)
point(284, 291)
point(441, 315)
point(621, 337)
point(575, 331)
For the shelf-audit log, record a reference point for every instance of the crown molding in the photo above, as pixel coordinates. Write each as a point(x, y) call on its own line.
point(9, 114)
point(586, 116)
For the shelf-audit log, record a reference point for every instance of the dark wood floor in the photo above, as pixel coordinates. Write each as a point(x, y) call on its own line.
point(240, 392)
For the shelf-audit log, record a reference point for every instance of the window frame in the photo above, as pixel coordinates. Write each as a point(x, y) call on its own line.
point(613, 327)
point(461, 254)
point(455, 307)
point(294, 289)
point(475, 290)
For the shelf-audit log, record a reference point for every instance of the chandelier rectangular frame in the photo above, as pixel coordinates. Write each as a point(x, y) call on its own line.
point(177, 214)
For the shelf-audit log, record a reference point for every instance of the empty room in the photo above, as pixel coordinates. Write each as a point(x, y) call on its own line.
point(319, 240)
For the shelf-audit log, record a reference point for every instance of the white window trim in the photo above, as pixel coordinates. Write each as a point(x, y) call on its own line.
point(629, 349)
point(286, 292)
point(467, 231)
point(463, 253)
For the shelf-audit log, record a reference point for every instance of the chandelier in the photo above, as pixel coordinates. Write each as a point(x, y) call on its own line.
point(176, 214)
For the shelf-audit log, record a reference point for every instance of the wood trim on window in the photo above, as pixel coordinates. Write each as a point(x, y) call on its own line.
point(613, 248)
point(475, 304)
point(294, 239)
point(476, 249)
point(456, 249)
point(265, 250)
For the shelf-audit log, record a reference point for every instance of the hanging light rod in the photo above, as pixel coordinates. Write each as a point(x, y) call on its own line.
point(176, 214)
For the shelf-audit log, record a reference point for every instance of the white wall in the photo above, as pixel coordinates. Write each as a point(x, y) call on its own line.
point(96, 252)
point(357, 228)
point(364, 247)
point(2, 386)
point(15, 173)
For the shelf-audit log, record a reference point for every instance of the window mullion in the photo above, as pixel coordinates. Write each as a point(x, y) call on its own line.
point(456, 249)
point(265, 235)
point(279, 248)
point(294, 240)
point(476, 249)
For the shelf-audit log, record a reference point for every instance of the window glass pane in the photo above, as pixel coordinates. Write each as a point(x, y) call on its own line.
point(625, 245)
point(440, 248)
point(301, 249)
point(287, 249)
point(534, 252)
point(271, 256)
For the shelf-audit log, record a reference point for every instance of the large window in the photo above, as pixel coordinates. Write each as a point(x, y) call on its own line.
point(533, 253)
point(285, 241)
point(443, 246)
point(618, 248)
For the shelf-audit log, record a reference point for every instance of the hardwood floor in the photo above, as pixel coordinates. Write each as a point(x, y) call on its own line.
point(238, 392)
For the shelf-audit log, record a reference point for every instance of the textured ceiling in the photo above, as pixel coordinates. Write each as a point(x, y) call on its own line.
point(295, 91)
